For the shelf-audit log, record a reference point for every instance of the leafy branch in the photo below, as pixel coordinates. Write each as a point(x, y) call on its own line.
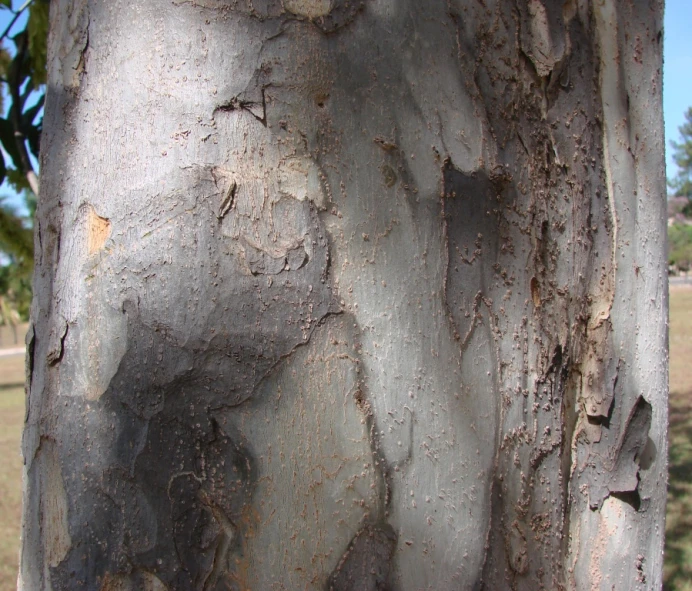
point(17, 14)
point(23, 76)
point(23, 83)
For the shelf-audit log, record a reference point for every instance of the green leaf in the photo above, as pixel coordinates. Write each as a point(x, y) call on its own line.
point(16, 240)
point(5, 61)
point(17, 180)
point(3, 168)
point(9, 143)
point(37, 28)
point(19, 70)
point(6, 4)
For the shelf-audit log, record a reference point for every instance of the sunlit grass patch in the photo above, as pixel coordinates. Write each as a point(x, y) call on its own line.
point(11, 422)
point(678, 558)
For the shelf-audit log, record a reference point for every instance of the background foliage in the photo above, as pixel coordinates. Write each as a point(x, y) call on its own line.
point(680, 206)
point(681, 183)
point(22, 94)
point(680, 246)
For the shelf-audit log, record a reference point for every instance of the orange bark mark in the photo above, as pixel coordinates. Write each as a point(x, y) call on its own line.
point(98, 231)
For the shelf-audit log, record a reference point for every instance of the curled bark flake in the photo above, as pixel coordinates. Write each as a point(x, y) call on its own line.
point(56, 341)
point(262, 263)
point(620, 475)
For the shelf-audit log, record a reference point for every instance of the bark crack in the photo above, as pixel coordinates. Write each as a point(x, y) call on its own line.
point(258, 109)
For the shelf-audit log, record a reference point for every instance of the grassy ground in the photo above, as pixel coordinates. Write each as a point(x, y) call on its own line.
point(12, 336)
point(678, 565)
point(11, 420)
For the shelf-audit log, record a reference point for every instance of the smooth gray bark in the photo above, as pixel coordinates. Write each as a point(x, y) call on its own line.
point(341, 294)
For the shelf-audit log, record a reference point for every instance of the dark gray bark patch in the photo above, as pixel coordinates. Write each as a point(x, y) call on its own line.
point(30, 342)
point(472, 242)
point(365, 565)
point(158, 482)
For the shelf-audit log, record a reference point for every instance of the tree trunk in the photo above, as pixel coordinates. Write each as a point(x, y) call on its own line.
point(350, 295)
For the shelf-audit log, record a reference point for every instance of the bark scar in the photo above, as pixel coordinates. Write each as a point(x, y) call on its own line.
point(98, 231)
point(228, 200)
point(258, 109)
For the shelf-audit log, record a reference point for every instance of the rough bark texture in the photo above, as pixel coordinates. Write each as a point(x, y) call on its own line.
point(343, 294)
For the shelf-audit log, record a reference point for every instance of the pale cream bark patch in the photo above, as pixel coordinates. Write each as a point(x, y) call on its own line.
point(309, 8)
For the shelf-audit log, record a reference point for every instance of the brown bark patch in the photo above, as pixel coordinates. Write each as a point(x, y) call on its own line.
point(535, 292)
point(114, 583)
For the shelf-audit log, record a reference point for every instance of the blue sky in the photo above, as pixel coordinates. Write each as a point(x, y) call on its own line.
point(677, 69)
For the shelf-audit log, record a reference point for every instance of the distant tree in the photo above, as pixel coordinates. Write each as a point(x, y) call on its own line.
point(681, 183)
point(680, 246)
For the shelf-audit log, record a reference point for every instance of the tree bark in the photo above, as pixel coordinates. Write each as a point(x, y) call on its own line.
point(343, 294)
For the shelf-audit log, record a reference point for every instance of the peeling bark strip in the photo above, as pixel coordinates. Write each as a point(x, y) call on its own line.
point(339, 294)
